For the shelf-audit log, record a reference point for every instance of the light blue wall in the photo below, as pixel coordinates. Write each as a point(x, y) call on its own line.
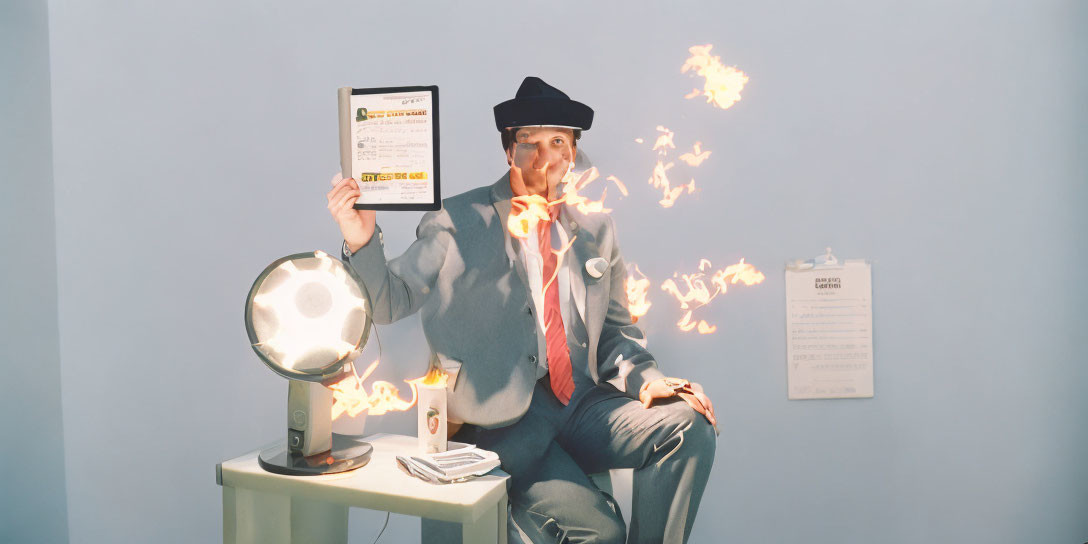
point(194, 142)
point(32, 500)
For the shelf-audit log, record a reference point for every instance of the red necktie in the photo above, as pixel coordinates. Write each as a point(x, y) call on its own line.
point(562, 381)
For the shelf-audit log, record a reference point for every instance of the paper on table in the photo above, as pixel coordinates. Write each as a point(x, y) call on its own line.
point(829, 330)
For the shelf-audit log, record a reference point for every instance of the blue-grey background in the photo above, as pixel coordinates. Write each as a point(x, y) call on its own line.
point(157, 155)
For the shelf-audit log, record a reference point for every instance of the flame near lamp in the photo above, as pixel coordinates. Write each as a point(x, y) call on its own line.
point(308, 318)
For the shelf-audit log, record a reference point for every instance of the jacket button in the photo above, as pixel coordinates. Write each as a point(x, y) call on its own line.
point(532, 359)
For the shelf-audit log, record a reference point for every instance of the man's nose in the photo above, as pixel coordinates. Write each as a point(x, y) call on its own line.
point(546, 156)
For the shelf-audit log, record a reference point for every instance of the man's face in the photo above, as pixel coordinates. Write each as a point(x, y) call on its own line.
point(536, 146)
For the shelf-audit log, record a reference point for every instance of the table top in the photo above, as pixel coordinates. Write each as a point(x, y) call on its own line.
point(380, 485)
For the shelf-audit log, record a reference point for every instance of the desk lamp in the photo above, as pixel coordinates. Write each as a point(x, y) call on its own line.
point(308, 317)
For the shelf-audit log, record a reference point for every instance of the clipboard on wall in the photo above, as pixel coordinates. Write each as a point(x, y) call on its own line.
point(829, 328)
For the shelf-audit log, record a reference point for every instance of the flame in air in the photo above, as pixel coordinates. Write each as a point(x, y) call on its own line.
point(572, 183)
point(697, 155)
point(698, 292)
point(659, 178)
point(664, 141)
point(636, 294)
point(722, 85)
point(350, 396)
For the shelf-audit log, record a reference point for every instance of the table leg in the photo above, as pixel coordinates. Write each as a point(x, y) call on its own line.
point(504, 516)
point(253, 517)
point(316, 521)
point(489, 529)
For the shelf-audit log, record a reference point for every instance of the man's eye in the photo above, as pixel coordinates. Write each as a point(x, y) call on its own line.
point(558, 141)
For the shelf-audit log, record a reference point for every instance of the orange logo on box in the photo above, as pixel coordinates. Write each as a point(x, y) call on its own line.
point(432, 420)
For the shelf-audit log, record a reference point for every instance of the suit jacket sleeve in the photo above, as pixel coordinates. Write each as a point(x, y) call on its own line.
point(398, 287)
point(621, 349)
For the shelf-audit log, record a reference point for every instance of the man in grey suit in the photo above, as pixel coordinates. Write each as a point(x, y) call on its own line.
point(554, 374)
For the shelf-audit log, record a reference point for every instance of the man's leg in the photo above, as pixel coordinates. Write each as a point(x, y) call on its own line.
point(557, 503)
point(551, 499)
point(670, 446)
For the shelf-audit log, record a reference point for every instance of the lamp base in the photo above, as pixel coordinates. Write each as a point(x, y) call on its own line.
point(347, 453)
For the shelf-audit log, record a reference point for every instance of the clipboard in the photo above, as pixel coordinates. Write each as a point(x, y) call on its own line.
point(389, 143)
point(829, 328)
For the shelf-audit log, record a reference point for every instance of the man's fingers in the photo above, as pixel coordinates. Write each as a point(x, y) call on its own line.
point(693, 402)
point(707, 406)
point(348, 201)
point(331, 195)
point(346, 182)
point(337, 182)
point(337, 179)
point(338, 194)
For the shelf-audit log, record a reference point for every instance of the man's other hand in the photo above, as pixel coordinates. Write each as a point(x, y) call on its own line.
point(357, 226)
point(691, 392)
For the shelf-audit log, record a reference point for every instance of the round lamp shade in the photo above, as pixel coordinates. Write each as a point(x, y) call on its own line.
point(307, 315)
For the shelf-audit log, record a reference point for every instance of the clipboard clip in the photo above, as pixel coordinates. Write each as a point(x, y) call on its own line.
point(827, 260)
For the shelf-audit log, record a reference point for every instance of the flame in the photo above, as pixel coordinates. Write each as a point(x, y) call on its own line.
point(636, 294)
point(525, 212)
point(722, 84)
point(558, 262)
point(699, 293)
point(742, 272)
point(573, 183)
point(696, 157)
point(622, 187)
point(664, 141)
point(660, 180)
point(350, 396)
point(435, 377)
point(638, 140)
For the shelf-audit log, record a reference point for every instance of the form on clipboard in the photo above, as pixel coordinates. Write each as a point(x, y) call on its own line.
point(829, 328)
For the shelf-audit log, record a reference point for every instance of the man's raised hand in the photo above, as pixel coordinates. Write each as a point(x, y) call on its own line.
point(357, 226)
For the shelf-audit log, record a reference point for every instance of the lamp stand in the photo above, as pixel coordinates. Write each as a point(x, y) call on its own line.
point(311, 448)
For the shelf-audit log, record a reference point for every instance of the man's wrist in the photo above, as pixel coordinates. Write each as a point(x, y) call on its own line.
point(350, 249)
point(676, 384)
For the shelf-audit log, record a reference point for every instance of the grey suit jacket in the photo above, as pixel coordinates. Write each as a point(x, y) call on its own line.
point(467, 275)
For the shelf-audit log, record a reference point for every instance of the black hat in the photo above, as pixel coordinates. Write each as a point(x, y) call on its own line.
point(537, 103)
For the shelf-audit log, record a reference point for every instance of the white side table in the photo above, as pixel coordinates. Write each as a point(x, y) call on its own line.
point(262, 507)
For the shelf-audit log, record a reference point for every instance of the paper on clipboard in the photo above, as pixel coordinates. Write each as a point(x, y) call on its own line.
point(829, 329)
point(389, 146)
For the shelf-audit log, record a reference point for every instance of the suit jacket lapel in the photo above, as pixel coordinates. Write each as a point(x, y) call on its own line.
point(500, 199)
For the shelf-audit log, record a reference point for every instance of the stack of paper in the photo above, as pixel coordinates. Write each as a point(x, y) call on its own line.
point(450, 466)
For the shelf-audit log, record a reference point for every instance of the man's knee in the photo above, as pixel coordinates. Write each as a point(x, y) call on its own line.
point(693, 432)
point(600, 526)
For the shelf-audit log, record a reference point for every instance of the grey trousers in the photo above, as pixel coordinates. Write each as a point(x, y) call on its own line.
point(549, 451)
